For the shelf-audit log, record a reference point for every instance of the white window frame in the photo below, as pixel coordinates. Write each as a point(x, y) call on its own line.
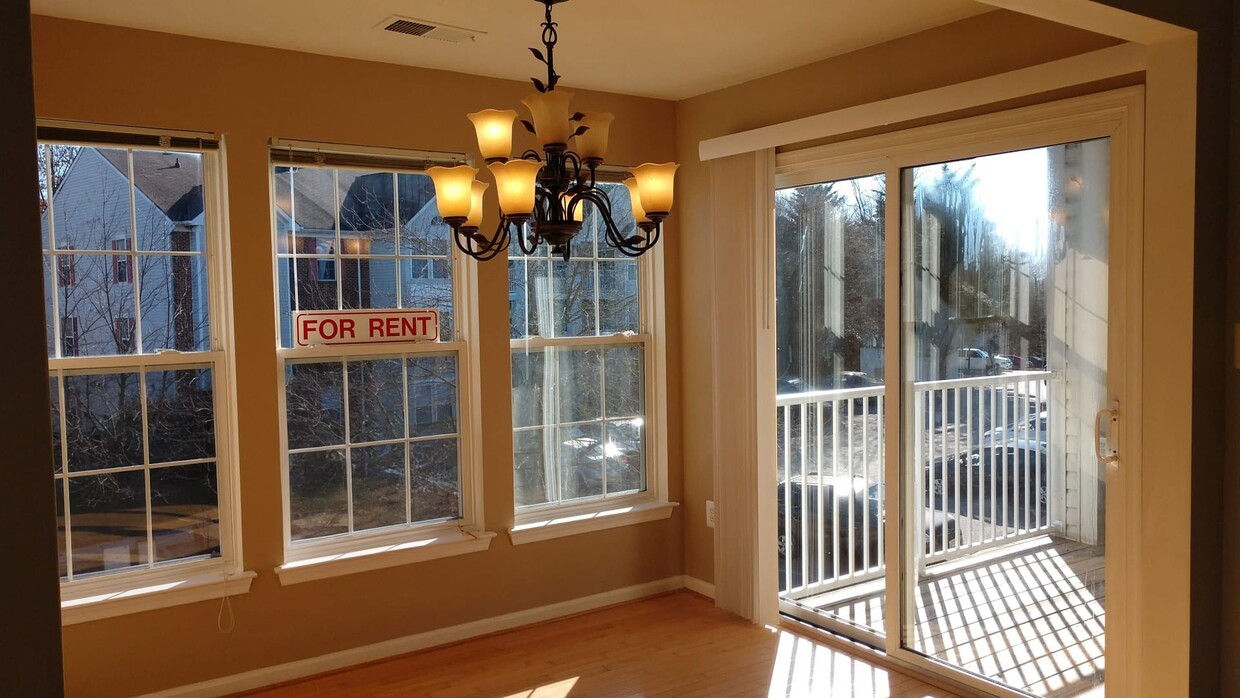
point(553, 520)
point(353, 552)
point(152, 586)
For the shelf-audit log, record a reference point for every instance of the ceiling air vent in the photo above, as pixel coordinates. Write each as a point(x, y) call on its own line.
point(429, 30)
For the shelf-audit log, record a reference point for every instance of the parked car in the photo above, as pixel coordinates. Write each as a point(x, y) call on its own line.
point(1031, 429)
point(1005, 483)
point(1010, 362)
point(836, 494)
point(972, 361)
point(1037, 363)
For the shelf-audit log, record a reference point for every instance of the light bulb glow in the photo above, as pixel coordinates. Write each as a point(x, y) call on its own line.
point(635, 200)
point(475, 207)
point(494, 130)
point(453, 189)
point(655, 185)
point(514, 182)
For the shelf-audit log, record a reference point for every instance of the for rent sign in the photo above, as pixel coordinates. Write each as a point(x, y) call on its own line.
point(313, 327)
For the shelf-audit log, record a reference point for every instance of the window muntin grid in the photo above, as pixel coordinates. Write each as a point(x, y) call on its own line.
point(133, 359)
point(578, 342)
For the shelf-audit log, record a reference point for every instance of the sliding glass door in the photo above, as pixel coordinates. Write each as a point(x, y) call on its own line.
point(950, 309)
point(830, 400)
point(1005, 367)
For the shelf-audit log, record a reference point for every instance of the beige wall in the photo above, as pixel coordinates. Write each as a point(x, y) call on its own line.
point(249, 94)
point(984, 45)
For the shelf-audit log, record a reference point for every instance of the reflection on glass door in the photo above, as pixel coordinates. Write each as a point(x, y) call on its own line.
point(1005, 366)
point(830, 401)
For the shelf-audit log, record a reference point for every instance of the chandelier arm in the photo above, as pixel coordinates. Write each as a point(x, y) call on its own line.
point(635, 249)
point(531, 155)
point(497, 245)
point(462, 241)
point(521, 241)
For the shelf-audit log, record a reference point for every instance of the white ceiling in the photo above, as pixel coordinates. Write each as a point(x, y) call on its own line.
point(670, 49)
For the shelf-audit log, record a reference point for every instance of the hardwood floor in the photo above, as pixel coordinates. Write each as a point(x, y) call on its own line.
point(673, 645)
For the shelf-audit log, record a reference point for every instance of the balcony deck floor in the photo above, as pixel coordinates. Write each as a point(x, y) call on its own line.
point(1030, 614)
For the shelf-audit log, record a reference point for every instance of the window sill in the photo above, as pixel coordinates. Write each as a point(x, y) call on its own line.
point(337, 564)
point(110, 604)
point(559, 524)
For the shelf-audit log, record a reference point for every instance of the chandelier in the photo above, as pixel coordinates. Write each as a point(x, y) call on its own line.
point(542, 197)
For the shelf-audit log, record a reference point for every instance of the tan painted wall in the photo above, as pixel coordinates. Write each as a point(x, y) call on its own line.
point(250, 94)
point(985, 45)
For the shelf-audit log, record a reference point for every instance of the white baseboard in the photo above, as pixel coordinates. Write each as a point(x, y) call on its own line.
point(280, 673)
point(698, 586)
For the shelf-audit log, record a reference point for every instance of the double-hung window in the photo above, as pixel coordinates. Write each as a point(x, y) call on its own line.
point(139, 382)
point(380, 450)
point(587, 383)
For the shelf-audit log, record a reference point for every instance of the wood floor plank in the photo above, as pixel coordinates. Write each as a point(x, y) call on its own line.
point(675, 646)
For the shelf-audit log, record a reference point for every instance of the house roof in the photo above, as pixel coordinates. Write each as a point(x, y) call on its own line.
point(366, 199)
point(172, 181)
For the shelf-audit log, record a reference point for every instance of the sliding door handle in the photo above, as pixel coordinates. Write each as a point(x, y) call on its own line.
point(1106, 450)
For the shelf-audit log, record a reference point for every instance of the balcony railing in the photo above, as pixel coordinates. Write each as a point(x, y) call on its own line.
point(981, 449)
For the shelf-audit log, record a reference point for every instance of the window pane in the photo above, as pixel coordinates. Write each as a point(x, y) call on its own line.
point(282, 183)
point(49, 287)
point(529, 297)
point(436, 483)
point(91, 304)
point(621, 213)
point(619, 306)
point(318, 495)
point(180, 414)
point(92, 203)
point(427, 283)
point(378, 486)
point(315, 404)
point(104, 420)
point(367, 213)
point(368, 283)
point(534, 477)
point(578, 384)
point(170, 206)
point(625, 379)
point(108, 515)
point(432, 395)
point(285, 269)
point(376, 402)
point(311, 209)
point(625, 454)
point(315, 287)
point(175, 303)
point(529, 386)
point(53, 389)
point(185, 511)
point(60, 528)
point(422, 231)
point(573, 300)
point(581, 461)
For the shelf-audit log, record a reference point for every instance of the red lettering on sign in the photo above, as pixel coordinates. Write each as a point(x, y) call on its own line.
point(393, 327)
point(328, 328)
point(376, 327)
point(307, 327)
point(346, 327)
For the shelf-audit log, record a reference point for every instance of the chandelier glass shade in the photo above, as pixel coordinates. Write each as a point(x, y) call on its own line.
point(544, 197)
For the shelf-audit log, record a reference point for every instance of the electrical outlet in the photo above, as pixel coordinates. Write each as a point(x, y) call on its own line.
point(710, 514)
